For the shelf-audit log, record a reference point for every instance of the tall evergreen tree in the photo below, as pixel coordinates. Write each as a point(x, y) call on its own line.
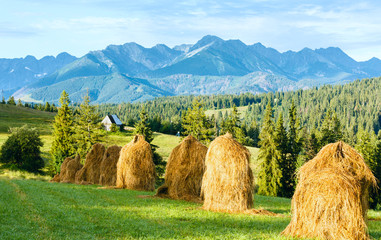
point(233, 125)
point(143, 128)
point(3, 100)
point(331, 129)
point(47, 107)
point(269, 177)
point(312, 145)
point(289, 163)
point(87, 128)
point(63, 144)
point(19, 103)
point(11, 101)
point(196, 123)
point(375, 196)
point(253, 133)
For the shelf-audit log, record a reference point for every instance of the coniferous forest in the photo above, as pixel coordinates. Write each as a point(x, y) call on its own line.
point(356, 106)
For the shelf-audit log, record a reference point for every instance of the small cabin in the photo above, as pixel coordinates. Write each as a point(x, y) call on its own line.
point(109, 120)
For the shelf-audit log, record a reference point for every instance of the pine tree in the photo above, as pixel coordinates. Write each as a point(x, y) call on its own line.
point(312, 145)
point(270, 174)
point(281, 141)
point(375, 196)
point(253, 133)
point(294, 147)
point(331, 129)
point(19, 103)
point(232, 125)
point(3, 100)
point(143, 128)
point(47, 107)
point(11, 101)
point(63, 145)
point(196, 123)
point(87, 128)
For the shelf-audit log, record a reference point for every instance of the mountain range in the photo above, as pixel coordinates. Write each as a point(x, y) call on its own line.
point(130, 72)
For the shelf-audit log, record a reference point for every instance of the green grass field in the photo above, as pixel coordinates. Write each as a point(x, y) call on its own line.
point(12, 116)
point(33, 208)
point(37, 209)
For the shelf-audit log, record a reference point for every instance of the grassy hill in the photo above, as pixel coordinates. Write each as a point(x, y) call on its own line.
point(31, 209)
point(13, 116)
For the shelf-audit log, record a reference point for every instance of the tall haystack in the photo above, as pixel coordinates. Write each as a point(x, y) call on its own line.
point(135, 167)
point(90, 172)
point(331, 198)
point(184, 171)
point(69, 168)
point(227, 184)
point(108, 166)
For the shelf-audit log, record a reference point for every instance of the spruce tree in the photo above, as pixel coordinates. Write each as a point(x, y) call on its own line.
point(331, 129)
point(375, 196)
point(47, 107)
point(63, 144)
point(269, 177)
point(19, 103)
point(196, 123)
point(11, 101)
point(87, 128)
point(312, 145)
point(143, 128)
point(3, 100)
point(232, 125)
point(253, 133)
point(294, 147)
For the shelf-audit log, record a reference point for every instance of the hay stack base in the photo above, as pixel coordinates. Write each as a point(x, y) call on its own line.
point(135, 167)
point(227, 184)
point(90, 172)
point(69, 169)
point(108, 166)
point(184, 171)
point(331, 198)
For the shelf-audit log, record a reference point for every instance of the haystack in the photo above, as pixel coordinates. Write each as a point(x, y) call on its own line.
point(331, 198)
point(135, 168)
point(69, 168)
point(227, 184)
point(108, 166)
point(184, 171)
point(56, 178)
point(90, 172)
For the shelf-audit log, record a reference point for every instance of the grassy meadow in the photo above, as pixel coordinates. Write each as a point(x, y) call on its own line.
point(33, 208)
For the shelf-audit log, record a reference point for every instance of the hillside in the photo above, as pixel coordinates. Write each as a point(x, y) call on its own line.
point(43, 210)
point(13, 116)
point(133, 73)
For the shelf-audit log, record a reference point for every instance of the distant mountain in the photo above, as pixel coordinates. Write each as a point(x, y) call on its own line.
point(19, 72)
point(131, 72)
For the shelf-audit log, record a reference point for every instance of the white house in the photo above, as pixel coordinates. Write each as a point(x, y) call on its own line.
point(109, 120)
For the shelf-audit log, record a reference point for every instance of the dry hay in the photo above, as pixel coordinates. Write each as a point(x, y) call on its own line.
point(69, 168)
point(184, 171)
point(108, 166)
point(331, 198)
point(90, 172)
point(56, 178)
point(135, 167)
point(227, 184)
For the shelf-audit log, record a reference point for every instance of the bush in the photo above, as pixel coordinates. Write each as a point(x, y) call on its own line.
point(22, 150)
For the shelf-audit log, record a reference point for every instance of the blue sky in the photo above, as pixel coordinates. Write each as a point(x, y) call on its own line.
point(48, 27)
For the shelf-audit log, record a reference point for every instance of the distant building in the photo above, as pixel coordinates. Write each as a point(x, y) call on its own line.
point(109, 120)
